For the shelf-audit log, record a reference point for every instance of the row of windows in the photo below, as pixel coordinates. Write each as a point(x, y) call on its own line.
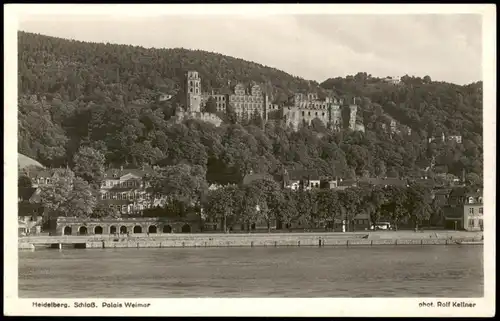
point(245, 98)
point(472, 223)
point(124, 196)
point(249, 105)
point(128, 208)
point(312, 106)
point(129, 183)
point(471, 210)
point(196, 84)
point(196, 91)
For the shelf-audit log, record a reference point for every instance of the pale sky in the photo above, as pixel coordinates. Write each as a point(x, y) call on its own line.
point(315, 47)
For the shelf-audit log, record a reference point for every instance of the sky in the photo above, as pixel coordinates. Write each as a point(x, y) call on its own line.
point(315, 47)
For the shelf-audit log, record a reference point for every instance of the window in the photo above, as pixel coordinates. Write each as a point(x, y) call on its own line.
point(124, 208)
point(303, 113)
point(309, 113)
point(471, 222)
point(190, 90)
point(316, 113)
point(113, 195)
point(471, 211)
point(190, 83)
point(119, 196)
point(104, 196)
point(480, 210)
point(111, 207)
point(131, 196)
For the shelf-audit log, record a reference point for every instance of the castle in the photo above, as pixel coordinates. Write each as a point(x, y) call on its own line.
point(248, 102)
point(303, 109)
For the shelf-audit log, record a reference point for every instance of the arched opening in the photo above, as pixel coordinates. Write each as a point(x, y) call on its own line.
point(112, 229)
point(97, 230)
point(82, 230)
point(152, 229)
point(137, 229)
point(68, 230)
point(167, 229)
point(186, 228)
point(123, 230)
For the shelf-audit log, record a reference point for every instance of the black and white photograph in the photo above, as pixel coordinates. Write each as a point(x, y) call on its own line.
point(252, 153)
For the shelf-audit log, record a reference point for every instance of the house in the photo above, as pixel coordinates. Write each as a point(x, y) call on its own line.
point(30, 211)
point(128, 191)
point(301, 180)
point(440, 196)
point(464, 210)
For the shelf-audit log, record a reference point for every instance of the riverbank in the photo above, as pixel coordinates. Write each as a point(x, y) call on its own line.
point(254, 240)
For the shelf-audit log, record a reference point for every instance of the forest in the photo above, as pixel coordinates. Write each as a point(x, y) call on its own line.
point(101, 97)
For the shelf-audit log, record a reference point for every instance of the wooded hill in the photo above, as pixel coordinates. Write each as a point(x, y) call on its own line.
point(102, 96)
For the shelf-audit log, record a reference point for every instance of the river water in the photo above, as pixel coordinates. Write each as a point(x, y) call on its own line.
point(385, 271)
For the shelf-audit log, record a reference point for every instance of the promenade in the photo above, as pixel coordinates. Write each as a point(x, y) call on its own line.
point(253, 239)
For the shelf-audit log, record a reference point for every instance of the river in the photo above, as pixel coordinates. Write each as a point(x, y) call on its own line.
point(382, 271)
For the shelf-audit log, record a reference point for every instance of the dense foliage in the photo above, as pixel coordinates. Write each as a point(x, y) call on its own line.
point(84, 103)
point(263, 200)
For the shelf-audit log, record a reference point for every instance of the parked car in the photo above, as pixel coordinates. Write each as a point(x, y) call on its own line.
point(381, 226)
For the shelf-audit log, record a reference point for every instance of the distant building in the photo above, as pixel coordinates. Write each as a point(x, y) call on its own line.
point(393, 80)
point(301, 180)
point(194, 101)
point(127, 191)
point(302, 109)
point(464, 210)
point(248, 102)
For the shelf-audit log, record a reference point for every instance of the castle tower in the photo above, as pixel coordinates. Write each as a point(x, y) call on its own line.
point(193, 92)
point(335, 115)
point(352, 116)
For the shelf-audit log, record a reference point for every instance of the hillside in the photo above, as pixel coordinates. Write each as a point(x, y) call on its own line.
point(75, 94)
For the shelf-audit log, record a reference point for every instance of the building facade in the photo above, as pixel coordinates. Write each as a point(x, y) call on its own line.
point(127, 191)
point(464, 210)
point(248, 102)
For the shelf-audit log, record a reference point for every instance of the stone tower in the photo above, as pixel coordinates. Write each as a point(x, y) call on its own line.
point(335, 114)
point(352, 116)
point(193, 92)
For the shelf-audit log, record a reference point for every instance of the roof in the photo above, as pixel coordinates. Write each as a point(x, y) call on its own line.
point(24, 161)
point(253, 177)
point(122, 172)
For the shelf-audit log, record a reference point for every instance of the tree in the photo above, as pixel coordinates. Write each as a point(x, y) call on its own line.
point(418, 204)
point(89, 164)
point(270, 198)
point(222, 205)
point(329, 207)
point(395, 207)
point(24, 181)
point(103, 211)
point(184, 186)
point(68, 195)
point(474, 179)
point(82, 199)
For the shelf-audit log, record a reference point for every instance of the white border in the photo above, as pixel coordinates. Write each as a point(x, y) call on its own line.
point(250, 307)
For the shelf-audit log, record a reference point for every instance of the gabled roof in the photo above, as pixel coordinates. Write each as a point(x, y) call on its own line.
point(110, 173)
